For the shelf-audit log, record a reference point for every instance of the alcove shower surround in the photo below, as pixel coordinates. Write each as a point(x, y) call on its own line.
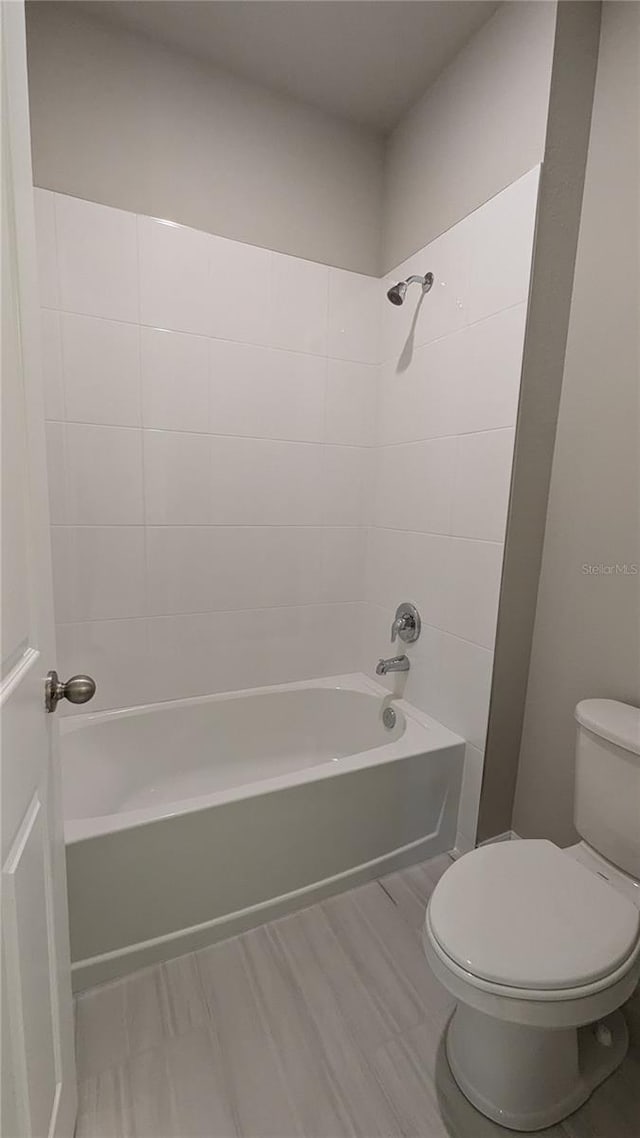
point(253, 458)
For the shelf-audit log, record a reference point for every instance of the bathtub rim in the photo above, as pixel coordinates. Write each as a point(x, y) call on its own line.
point(422, 735)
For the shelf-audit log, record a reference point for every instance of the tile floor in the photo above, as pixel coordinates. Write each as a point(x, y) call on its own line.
point(324, 1024)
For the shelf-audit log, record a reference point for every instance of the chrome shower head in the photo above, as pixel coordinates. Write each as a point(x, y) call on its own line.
point(397, 292)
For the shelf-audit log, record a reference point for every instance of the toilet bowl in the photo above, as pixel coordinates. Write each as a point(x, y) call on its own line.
point(540, 946)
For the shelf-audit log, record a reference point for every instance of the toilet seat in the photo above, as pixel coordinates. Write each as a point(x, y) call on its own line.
point(524, 918)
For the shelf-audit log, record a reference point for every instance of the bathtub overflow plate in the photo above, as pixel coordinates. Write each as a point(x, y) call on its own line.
point(389, 717)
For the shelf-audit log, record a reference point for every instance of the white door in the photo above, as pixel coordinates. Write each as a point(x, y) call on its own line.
point(38, 1091)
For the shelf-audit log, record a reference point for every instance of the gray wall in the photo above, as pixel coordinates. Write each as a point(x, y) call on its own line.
point(587, 627)
point(127, 122)
point(559, 205)
point(480, 126)
point(120, 120)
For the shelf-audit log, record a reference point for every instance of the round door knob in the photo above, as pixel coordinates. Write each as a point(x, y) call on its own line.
point(79, 689)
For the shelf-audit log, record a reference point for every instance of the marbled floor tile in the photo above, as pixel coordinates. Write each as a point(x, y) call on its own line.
point(164, 1001)
point(145, 1015)
point(433, 868)
point(408, 899)
point(427, 874)
point(200, 1100)
point(101, 1036)
point(316, 952)
point(394, 995)
point(148, 1095)
point(300, 1048)
point(410, 1091)
point(362, 1098)
point(171, 1091)
point(104, 1107)
point(411, 888)
point(404, 953)
point(129, 1101)
point(137, 1013)
point(254, 1077)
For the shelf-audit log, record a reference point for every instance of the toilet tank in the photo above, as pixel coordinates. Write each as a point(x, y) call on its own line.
point(607, 781)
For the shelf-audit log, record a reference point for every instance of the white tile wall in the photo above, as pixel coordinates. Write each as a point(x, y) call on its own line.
point(52, 364)
point(103, 475)
point(175, 380)
point(239, 291)
point(101, 361)
point(218, 651)
point(448, 397)
point(177, 479)
point(213, 568)
point(57, 473)
point(414, 485)
point(98, 571)
point(488, 363)
point(481, 481)
point(299, 305)
point(265, 482)
point(266, 393)
point(48, 276)
point(174, 276)
point(499, 270)
point(352, 299)
point(97, 259)
point(347, 485)
point(351, 398)
point(210, 424)
point(417, 398)
point(256, 458)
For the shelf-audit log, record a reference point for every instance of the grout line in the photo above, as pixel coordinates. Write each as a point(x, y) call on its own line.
point(290, 351)
point(211, 525)
point(438, 533)
point(213, 339)
point(212, 434)
point(385, 890)
point(270, 608)
point(145, 544)
point(279, 439)
point(458, 331)
point(211, 612)
point(440, 438)
point(323, 525)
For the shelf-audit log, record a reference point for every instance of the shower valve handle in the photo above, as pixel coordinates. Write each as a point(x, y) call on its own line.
point(406, 624)
point(79, 689)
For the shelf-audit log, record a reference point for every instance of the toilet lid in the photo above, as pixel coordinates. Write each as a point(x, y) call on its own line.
point(526, 915)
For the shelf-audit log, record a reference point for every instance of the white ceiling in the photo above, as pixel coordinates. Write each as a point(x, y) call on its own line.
point(367, 61)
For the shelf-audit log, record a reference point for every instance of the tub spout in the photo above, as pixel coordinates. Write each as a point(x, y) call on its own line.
point(394, 664)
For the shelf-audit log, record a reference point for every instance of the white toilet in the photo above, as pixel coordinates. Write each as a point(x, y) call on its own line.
point(540, 946)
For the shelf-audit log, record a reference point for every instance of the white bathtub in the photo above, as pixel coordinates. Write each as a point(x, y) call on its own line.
point(189, 821)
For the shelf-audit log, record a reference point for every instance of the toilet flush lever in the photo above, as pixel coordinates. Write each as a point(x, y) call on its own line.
point(406, 624)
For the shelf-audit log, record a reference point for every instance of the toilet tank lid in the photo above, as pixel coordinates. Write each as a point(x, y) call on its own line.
point(617, 722)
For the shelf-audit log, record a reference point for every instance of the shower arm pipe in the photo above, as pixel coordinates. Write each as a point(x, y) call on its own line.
point(397, 292)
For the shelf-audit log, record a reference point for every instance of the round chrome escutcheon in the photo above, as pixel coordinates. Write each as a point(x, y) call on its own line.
point(389, 717)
